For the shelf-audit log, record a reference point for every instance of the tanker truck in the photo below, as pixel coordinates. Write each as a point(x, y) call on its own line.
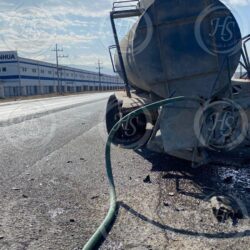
point(189, 49)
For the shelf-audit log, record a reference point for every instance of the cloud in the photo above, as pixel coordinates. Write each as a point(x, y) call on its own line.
point(237, 2)
point(34, 29)
point(86, 8)
point(82, 26)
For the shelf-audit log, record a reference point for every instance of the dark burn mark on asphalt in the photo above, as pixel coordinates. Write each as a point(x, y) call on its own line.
point(228, 180)
point(214, 179)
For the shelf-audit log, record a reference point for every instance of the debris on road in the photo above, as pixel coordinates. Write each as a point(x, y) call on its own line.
point(224, 208)
point(166, 204)
point(179, 209)
point(147, 179)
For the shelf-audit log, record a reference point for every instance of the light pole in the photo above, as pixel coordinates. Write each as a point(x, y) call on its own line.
point(57, 67)
point(99, 71)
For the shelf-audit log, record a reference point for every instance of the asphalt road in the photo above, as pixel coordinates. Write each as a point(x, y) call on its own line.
point(44, 174)
point(54, 193)
point(14, 111)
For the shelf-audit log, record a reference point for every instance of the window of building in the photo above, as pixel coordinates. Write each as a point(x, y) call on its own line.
point(4, 69)
point(34, 70)
point(49, 72)
point(42, 71)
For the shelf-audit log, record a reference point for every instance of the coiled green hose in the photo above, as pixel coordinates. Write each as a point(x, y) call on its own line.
point(95, 240)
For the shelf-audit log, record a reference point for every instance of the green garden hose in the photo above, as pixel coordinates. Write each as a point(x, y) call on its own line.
point(101, 232)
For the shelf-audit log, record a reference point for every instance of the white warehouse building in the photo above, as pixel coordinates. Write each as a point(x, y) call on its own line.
point(22, 77)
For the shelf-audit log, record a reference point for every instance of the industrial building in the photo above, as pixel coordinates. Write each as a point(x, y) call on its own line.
point(23, 77)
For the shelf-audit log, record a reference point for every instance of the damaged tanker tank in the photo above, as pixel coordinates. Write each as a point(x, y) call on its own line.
point(181, 49)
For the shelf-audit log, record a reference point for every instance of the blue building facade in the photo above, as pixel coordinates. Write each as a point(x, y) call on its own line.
point(23, 77)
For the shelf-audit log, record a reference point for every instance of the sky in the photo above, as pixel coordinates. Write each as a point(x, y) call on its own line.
point(81, 27)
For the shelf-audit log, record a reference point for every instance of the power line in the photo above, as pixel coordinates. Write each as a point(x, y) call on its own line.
point(57, 66)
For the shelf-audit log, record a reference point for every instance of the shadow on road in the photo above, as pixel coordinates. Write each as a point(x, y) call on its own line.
point(210, 180)
point(221, 235)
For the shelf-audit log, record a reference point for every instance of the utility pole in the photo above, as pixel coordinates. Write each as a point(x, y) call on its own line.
point(99, 67)
point(57, 66)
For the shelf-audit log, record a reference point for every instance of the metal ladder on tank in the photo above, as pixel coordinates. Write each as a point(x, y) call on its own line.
point(123, 9)
point(245, 62)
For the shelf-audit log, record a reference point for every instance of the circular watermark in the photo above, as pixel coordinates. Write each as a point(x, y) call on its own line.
point(221, 125)
point(133, 39)
point(134, 132)
point(141, 34)
point(27, 130)
point(26, 28)
point(217, 31)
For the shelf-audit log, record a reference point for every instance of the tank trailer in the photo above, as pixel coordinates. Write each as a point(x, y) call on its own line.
point(190, 49)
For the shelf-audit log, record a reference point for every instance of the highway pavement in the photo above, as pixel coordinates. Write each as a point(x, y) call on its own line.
point(54, 193)
point(45, 145)
point(16, 110)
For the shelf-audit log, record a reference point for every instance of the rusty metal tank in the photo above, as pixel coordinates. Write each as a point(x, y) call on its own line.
point(181, 47)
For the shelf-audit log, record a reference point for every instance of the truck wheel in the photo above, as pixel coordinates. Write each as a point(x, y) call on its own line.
point(132, 134)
